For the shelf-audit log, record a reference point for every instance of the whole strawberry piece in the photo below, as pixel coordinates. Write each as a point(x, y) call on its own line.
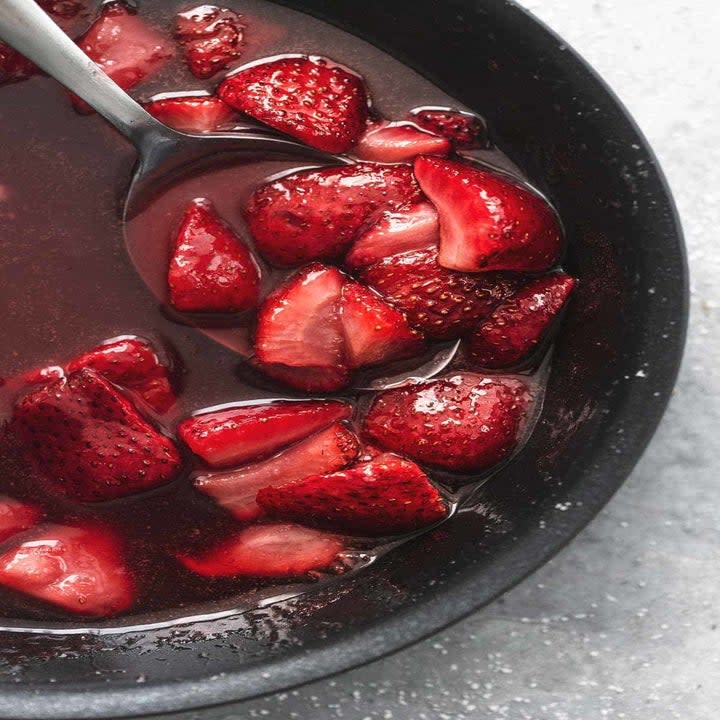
point(442, 303)
point(488, 222)
point(463, 129)
point(252, 432)
point(398, 142)
point(310, 98)
point(16, 516)
point(316, 214)
point(191, 113)
point(518, 325)
point(88, 442)
point(212, 38)
point(211, 269)
point(464, 423)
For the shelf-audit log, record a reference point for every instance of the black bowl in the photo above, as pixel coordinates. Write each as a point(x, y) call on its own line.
point(615, 365)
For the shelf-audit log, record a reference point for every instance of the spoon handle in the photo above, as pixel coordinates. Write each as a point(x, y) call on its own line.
point(26, 27)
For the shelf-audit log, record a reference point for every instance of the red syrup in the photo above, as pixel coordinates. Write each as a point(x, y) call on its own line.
point(67, 284)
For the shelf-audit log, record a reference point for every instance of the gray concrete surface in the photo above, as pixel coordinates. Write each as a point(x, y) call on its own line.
point(625, 623)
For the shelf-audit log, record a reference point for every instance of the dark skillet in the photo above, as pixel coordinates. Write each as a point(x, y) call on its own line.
point(614, 369)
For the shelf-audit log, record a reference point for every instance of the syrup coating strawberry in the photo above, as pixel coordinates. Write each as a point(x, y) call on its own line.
point(463, 129)
point(398, 142)
point(16, 516)
point(191, 113)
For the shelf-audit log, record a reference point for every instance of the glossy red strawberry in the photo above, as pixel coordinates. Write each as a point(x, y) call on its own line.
point(14, 66)
point(518, 325)
point(326, 451)
point(398, 142)
point(252, 432)
point(463, 129)
point(274, 550)
point(88, 442)
point(385, 496)
point(191, 113)
point(212, 38)
point(442, 303)
point(211, 269)
point(316, 214)
point(415, 227)
point(375, 333)
point(76, 569)
point(16, 516)
point(464, 422)
point(487, 221)
point(310, 98)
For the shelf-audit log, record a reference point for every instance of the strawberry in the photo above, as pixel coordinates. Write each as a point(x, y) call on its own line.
point(299, 336)
point(328, 450)
point(212, 38)
point(251, 432)
point(415, 227)
point(132, 363)
point(14, 66)
point(487, 221)
point(375, 333)
point(398, 142)
point(463, 422)
point(276, 550)
point(316, 214)
point(310, 98)
point(16, 516)
point(191, 113)
point(463, 129)
point(518, 325)
point(40, 376)
point(211, 269)
point(385, 496)
point(79, 569)
point(88, 441)
point(442, 303)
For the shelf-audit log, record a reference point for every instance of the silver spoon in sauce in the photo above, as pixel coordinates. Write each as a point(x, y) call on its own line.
point(164, 154)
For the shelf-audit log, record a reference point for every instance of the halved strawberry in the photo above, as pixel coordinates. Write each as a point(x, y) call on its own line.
point(415, 227)
point(398, 142)
point(463, 129)
point(328, 450)
point(79, 569)
point(463, 422)
point(488, 222)
point(211, 269)
point(252, 432)
point(299, 336)
point(444, 304)
point(191, 113)
point(132, 363)
point(518, 325)
point(88, 442)
point(212, 37)
point(316, 214)
point(385, 496)
point(275, 550)
point(375, 333)
point(310, 98)
point(16, 516)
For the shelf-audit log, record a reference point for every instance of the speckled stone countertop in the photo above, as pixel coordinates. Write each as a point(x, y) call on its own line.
point(622, 624)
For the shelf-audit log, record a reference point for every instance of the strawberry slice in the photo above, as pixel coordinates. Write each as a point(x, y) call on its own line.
point(88, 441)
point(316, 214)
point(463, 129)
point(299, 336)
point(132, 363)
point(396, 231)
point(16, 516)
point(463, 423)
point(386, 496)
point(398, 142)
point(251, 432)
point(518, 325)
point(212, 37)
point(79, 569)
point(328, 450)
point(310, 98)
point(277, 550)
point(375, 333)
point(211, 269)
point(191, 113)
point(442, 303)
point(488, 222)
